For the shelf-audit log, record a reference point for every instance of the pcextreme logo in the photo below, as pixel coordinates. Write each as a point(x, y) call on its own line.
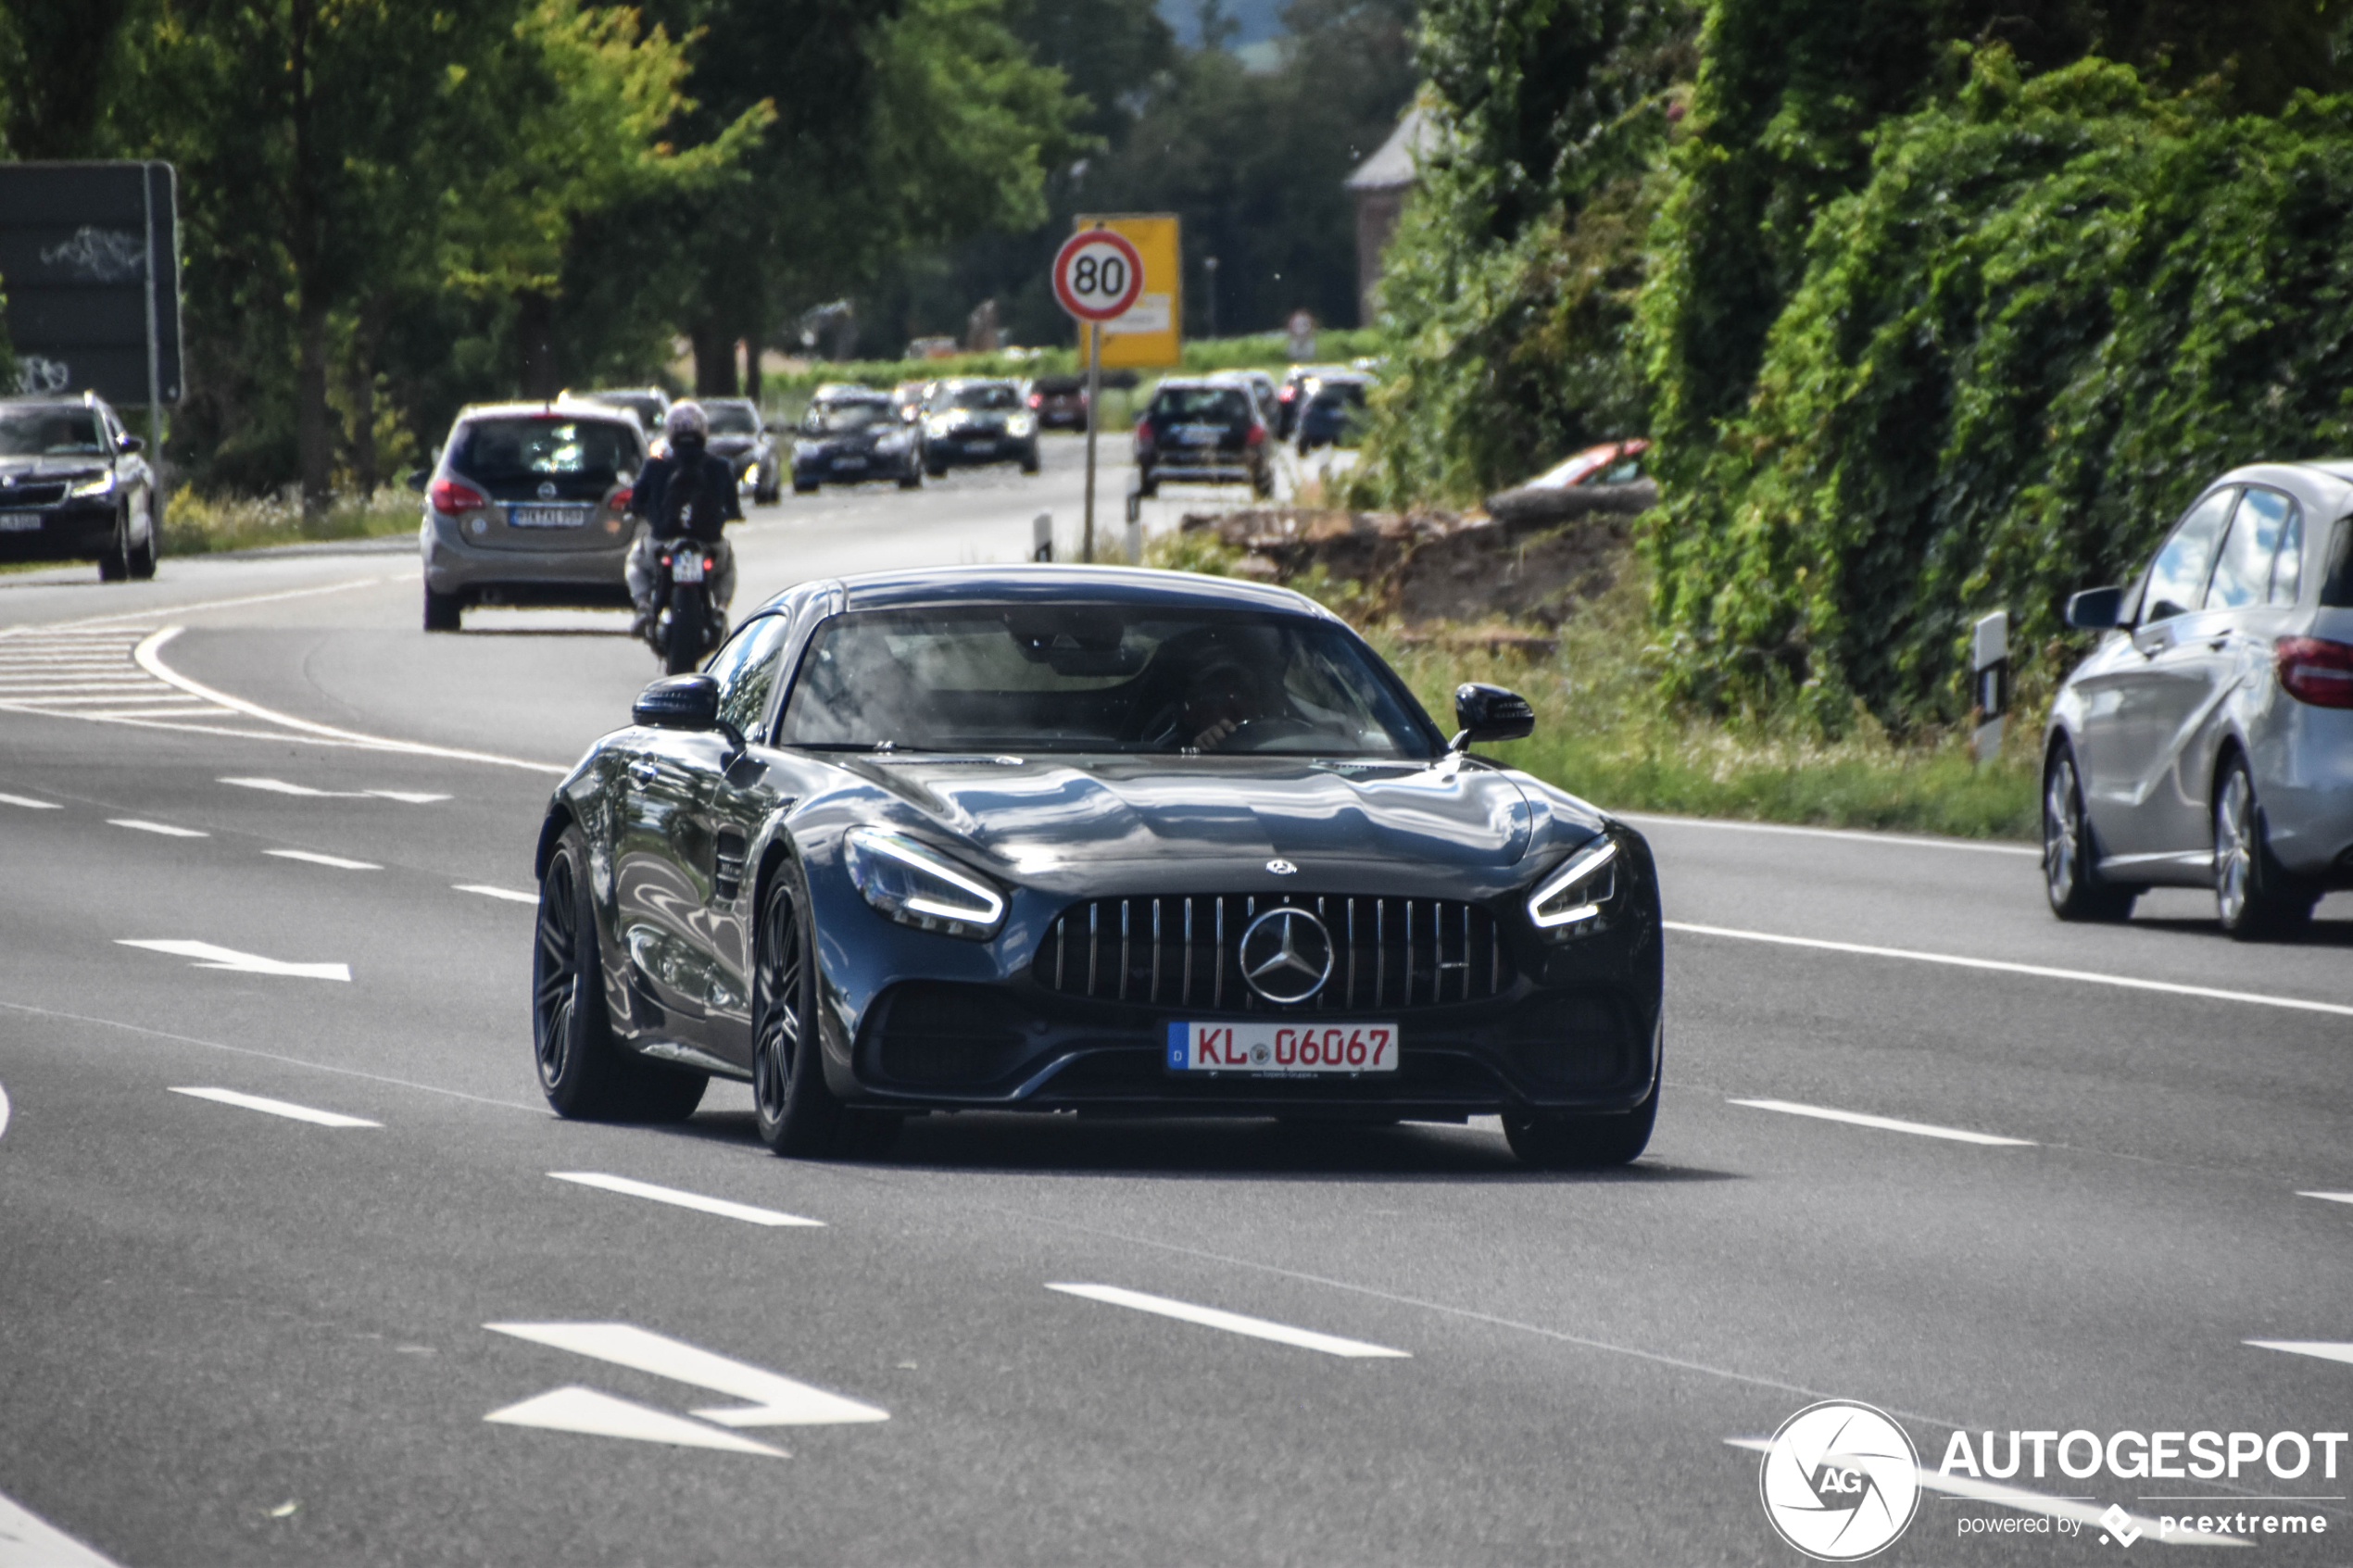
point(1839, 1481)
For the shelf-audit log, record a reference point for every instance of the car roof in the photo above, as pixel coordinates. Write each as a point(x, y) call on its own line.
point(564, 407)
point(1217, 379)
point(2338, 468)
point(960, 382)
point(2335, 473)
point(52, 400)
point(1116, 585)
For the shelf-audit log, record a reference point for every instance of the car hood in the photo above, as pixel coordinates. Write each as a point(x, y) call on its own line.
point(1035, 817)
point(732, 445)
point(51, 467)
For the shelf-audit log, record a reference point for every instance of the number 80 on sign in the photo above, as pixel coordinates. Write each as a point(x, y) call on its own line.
point(1098, 275)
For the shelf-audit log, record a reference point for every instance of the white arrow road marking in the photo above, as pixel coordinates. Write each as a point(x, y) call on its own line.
point(489, 891)
point(286, 1109)
point(2331, 1196)
point(141, 826)
point(1884, 1123)
point(210, 957)
point(682, 1200)
point(2327, 1350)
point(602, 1415)
point(28, 804)
point(2031, 1502)
point(775, 1400)
point(29, 1541)
point(1232, 1323)
point(313, 857)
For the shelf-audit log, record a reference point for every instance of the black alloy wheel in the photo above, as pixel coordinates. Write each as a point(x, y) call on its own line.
point(2069, 878)
point(795, 1110)
point(2254, 895)
point(1583, 1143)
point(585, 1071)
point(114, 565)
point(142, 555)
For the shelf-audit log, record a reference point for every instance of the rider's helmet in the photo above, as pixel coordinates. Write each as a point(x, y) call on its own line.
point(685, 418)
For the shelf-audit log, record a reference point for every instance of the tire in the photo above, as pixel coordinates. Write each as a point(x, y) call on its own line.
point(1262, 484)
point(1029, 461)
point(1582, 1142)
point(2254, 895)
point(143, 555)
point(765, 495)
point(801, 489)
point(797, 1113)
point(936, 470)
point(687, 639)
point(2070, 878)
point(585, 1071)
point(443, 611)
point(1147, 486)
point(114, 566)
point(912, 479)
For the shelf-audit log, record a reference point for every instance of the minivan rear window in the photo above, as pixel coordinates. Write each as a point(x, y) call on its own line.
point(1200, 403)
point(496, 451)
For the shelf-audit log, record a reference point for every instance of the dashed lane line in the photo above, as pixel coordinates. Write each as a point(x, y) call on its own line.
point(140, 825)
point(1232, 1323)
point(2329, 1197)
point(279, 786)
point(286, 1109)
point(2324, 1349)
point(508, 894)
point(695, 1200)
point(99, 622)
point(312, 857)
point(29, 803)
point(2043, 972)
point(1883, 1123)
point(209, 956)
point(4, 1113)
point(26, 1540)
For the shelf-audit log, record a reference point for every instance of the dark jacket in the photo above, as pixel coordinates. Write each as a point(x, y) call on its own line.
point(664, 491)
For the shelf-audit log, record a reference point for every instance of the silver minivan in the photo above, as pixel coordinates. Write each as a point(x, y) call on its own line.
point(2207, 741)
point(529, 505)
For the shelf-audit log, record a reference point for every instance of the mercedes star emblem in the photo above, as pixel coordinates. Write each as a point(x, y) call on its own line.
point(1282, 868)
point(1286, 954)
point(546, 489)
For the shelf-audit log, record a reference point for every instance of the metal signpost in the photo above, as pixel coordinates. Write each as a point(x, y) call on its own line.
point(1097, 277)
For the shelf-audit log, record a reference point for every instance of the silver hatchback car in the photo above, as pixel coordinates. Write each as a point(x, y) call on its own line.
point(2207, 741)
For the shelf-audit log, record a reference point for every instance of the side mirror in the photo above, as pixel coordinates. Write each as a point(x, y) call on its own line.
point(1489, 713)
point(2095, 610)
point(684, 702)
point(129, 444)
point(418, 480)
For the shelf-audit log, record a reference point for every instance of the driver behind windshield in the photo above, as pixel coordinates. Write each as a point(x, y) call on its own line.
point(1217, 675)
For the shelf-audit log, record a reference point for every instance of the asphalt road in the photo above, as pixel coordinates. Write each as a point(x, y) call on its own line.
point(228, 1335)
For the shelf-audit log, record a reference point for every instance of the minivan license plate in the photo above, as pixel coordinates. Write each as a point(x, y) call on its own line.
point(1282, 1049)
point(546, 517)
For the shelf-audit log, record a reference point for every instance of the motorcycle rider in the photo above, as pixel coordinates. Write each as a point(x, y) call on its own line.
point(690, 494)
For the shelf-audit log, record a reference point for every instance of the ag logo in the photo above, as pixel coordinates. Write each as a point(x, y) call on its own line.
point(1839, 1481)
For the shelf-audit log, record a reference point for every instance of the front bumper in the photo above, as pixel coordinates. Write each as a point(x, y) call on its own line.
point(79, 530)
point(852, 467)
point(963, 450)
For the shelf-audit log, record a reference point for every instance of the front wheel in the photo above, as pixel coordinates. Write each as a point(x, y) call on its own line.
point(584, 1070)
point(764, 495)
point(796, 1111)
point(114, 566)
point(1582, 1142)
point(2254, 895)
point(686, 640)
point(142, 554)
point(2069, 879)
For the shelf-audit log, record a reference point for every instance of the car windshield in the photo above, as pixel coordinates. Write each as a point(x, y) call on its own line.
point(732, 418)
point(496, 450)
point(1341, 395)
point(1083, 677)
point(49, 432)
point(835, 418)
point(1200, 403)
point(981, 397)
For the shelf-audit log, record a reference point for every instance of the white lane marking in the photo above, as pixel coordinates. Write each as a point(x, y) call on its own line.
point(104, 625)
point(1232, 1323)
point(1884, 1123)
point(405, 796)
point(2084, 976)
point(149, 657)
point(1856, 834)
point(2331, 1196)
point(142, 825)
point(286, 1109)
point(2326, 1349)
point(279, 786)
point(602, 1415)
point(4, 1113)
point(210, 957)
point(29, 803)
point(2085, 1513)
point(313, 857)
point(489, 892)
point(682, 1200)
point(26, 1540)
point(775, 1400)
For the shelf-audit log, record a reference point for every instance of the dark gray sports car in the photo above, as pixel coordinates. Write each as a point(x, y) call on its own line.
point(1061, 838)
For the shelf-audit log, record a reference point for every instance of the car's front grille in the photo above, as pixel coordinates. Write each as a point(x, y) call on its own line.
point(44, 494)
point(1182, 950)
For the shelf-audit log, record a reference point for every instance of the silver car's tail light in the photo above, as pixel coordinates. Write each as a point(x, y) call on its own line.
point(2315, 670)
point(916, 886)
point(1572, 897)
point(450, 497)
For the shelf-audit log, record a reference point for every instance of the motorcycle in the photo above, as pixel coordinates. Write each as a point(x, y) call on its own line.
point(687, 624)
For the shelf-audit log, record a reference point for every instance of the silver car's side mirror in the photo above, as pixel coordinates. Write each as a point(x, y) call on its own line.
point(2096, 609)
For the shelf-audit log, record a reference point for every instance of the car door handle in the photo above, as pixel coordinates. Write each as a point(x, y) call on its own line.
point(643, 772)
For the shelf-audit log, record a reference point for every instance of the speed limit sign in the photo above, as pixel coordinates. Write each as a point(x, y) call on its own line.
point(1097, 274)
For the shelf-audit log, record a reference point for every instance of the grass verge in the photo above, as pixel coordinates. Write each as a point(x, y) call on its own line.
point(1604, 732)
point(198, 525)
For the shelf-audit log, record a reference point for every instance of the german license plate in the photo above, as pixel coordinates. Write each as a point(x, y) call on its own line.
point(1199, 435)
point(546, 517)
point(980, 446)
point(685, 568)
point(20, 522)
point(1282, 1049)
point(849, 462)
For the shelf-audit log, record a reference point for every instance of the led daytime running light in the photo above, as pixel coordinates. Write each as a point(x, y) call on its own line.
point(1574, 874)
point(979, 916)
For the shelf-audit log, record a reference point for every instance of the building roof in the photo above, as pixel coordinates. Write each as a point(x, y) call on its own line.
point(1393, 164)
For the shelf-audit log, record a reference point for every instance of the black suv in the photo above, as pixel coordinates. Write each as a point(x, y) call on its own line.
point(1203, 431)
point(74, 486)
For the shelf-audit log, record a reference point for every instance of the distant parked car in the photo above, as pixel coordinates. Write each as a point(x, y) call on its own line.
point(1201, 430)
point(1292, 396)
point(971, 419)
point(1334, 411)
point(1059, 402)
point(529, 506)
point(1264, 396)
point(1612, 462)
point(2207, 740)
point(740, 435)
point(854, 438)
point(75, 486)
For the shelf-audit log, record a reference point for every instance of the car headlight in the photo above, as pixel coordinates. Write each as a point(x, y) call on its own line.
point(94, 484)
point(895, 442)
point(919, 887)
point(1020, 425)
point(1569, 901)
point(938, 424)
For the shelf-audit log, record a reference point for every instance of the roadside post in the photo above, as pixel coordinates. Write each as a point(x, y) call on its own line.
point(1135, 541)
point(1097, 277)
point(1990, 664)
point(1042, 536)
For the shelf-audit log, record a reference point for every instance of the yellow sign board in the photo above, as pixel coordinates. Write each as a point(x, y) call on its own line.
point(1152, 333)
